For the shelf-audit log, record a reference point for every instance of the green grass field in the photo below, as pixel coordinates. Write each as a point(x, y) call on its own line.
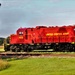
point(41, 66)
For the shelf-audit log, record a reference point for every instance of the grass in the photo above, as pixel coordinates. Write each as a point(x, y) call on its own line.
point(2, 48)
point(41, 66)
point(3, 64)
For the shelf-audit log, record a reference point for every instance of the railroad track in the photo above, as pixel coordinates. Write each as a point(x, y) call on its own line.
point(17, 54)
point(33, 54)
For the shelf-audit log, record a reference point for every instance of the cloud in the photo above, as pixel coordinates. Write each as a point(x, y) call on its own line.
point(54, 1)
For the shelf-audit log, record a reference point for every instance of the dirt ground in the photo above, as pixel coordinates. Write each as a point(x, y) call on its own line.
point(38, 55)
point(56, 55)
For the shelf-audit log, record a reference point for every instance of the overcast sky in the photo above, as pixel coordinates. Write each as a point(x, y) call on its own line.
point(30, 13)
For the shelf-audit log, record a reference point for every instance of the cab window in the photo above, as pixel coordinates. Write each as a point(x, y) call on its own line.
point(20, 33)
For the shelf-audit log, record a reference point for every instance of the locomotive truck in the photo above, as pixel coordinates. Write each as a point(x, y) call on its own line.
point(58, 38)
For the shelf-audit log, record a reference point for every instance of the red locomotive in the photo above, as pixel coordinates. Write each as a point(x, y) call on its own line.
point(42, 37)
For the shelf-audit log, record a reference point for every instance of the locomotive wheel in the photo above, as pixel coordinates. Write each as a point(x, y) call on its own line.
point(11, 48)
point(56, 48)
point(14, 48)
point(72, 48)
